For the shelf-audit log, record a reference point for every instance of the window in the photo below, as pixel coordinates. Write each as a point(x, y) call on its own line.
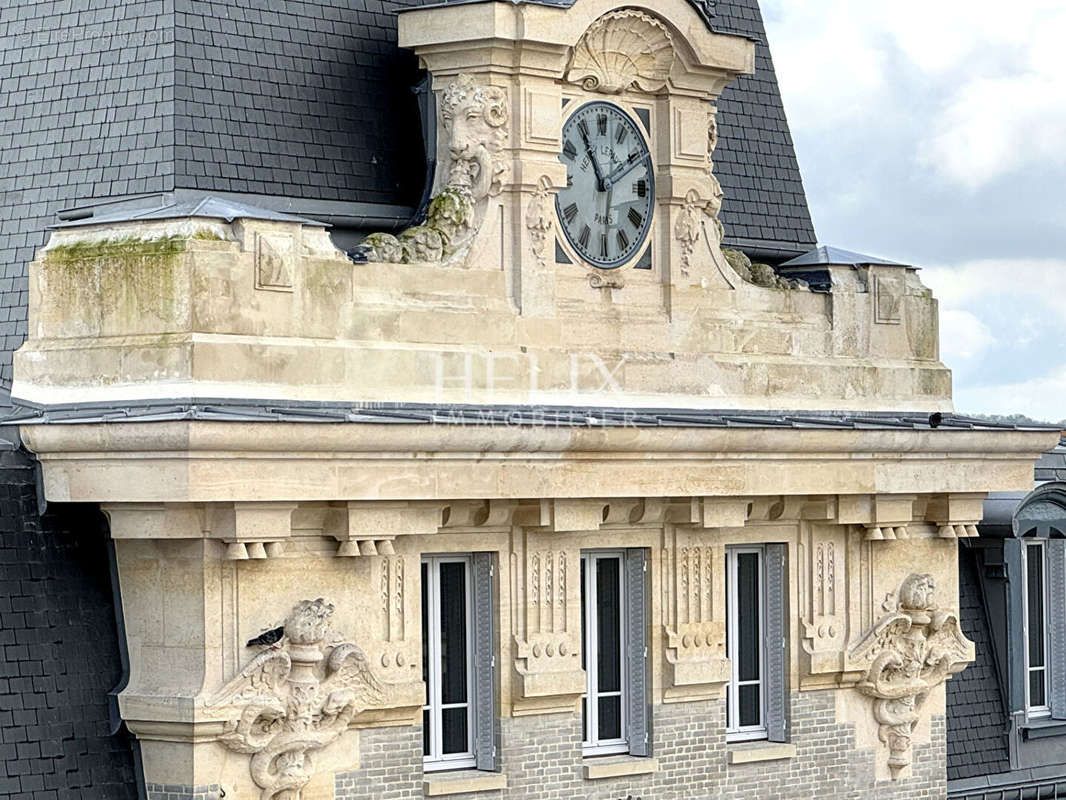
point(614, 714)
point(745, 717)
point(756, 643)
point(459, 722)
point(1034, 598)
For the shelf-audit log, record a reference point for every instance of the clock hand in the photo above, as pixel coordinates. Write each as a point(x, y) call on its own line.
point(623, 170)
point(595, 164)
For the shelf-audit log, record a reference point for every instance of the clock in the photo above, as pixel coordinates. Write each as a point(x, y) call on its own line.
point(606, 209)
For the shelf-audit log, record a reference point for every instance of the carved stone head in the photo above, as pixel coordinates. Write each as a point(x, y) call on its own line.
point(475, 117)
point(308, 623)
point(918, 593)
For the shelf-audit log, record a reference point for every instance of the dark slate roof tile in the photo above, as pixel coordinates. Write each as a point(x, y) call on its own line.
point(977, 720)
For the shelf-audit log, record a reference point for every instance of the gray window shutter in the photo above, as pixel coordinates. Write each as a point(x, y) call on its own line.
point(1056, 622)
point(1012, 560)
point(638, 708)
point(776, 642)
point(486, 720)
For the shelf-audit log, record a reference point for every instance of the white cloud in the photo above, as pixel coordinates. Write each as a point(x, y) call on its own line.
point(980, 92)
point(1040, 398)
point(963, 336)
point(986, 282)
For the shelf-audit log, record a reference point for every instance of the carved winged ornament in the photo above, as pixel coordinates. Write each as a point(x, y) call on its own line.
point(294, 698)
point(910, 651)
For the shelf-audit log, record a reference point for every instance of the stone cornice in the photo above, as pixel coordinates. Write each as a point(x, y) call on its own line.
point(217, 462)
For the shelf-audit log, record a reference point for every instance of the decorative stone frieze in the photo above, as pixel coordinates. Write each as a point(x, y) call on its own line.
point(623, 50)
point(540, 220)
point(294, 698)
point(911, 650)
point(693, 602)
point(823, 594)
point(546, 623)
point(689, 228)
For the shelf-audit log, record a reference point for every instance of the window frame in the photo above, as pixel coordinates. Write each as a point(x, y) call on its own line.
point(438, 761)
point(1036, 711)
point(591, 745)
point(735, 732)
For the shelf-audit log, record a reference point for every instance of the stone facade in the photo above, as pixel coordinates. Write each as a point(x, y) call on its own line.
point(276, 480)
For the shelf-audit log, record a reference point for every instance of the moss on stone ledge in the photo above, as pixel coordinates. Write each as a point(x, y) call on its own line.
point(119, 250)
point(129, 275)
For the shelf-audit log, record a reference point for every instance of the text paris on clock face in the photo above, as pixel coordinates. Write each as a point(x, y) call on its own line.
point(606, 208)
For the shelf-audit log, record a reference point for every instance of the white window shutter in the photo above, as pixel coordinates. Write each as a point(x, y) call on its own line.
point(776, 642)
point(486, 720)
point(638, 700)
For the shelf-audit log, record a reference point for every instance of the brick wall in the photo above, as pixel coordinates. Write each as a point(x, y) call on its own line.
point(59, 652)
point(166, 791)
point(542, 759)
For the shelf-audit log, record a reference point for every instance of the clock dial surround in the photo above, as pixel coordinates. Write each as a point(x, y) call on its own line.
point(606, 209)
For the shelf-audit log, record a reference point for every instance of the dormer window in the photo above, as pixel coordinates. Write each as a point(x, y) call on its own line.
point(1035, 616)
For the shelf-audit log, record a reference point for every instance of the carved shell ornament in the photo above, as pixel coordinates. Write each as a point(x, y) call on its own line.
point(621, 50)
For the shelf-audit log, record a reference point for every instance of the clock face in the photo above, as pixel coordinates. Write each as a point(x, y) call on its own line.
point(606, 208)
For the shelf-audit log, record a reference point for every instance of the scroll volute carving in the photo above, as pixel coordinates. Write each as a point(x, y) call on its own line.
point(693, 601)
point(912, 649)
point(294, 698)
point(546, 587)
point(475, 125)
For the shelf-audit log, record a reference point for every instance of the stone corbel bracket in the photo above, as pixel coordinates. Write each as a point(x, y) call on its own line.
point(370, 528)
point(956, 515)
point(885, 518)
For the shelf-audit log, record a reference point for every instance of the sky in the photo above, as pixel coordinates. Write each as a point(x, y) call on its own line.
point(934, 132)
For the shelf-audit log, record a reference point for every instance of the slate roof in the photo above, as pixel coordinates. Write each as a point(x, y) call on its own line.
point(977, 719)
point(1052, 465)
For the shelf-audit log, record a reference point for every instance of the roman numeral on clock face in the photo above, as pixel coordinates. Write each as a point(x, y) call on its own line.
point(570, 212)
point(603, 246)
point(583, 128)
point(623, 132)
point(601, 124)
point(570, 150)
point(640, 188)
point(636, 219)
point(623, 241)
point(585, 237)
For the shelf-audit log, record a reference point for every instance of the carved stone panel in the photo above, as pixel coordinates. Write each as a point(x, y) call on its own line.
point(274, 257)
point(545, 587)
point(823, 595)
point(693, 600)
point(888, 298)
